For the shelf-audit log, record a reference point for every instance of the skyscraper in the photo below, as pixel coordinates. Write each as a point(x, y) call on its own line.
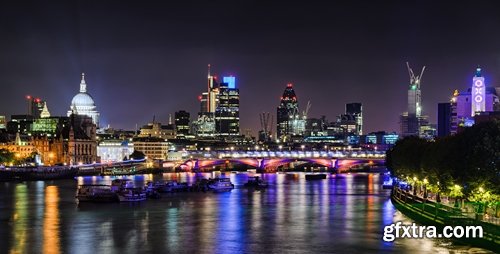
point(205, 124)
point(182, 123)
point(230, 81)
point(227, 113)
point(35, 106)
point(356, 111)
point(412, 122)
point(287, 114)
point(212, 92)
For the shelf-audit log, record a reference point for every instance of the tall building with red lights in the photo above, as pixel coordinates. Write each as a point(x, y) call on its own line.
point(287, 112)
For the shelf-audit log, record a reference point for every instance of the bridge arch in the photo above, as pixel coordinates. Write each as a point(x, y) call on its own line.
point(271, 164)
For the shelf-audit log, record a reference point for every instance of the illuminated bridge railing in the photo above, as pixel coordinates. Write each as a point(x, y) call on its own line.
point(286, 154)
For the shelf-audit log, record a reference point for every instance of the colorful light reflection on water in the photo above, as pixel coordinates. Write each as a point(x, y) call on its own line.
point(342, 214)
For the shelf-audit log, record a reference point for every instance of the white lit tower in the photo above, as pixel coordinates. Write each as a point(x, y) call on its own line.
point(414, 93)
point(205, 125)
point(478, 92)
point(212, 92)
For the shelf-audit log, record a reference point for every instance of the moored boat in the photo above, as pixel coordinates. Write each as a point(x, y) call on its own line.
point(96, 193)
point(219, 184)
point(127, 192)
point(120, 184)
point(175, 186)
point(132, 195)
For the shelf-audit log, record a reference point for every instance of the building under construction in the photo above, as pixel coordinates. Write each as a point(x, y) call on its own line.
point(412, 122)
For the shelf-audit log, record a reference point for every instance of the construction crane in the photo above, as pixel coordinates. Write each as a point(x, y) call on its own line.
point(266, 122)
point(414, 94)
point(415, 79)
point(306, 112)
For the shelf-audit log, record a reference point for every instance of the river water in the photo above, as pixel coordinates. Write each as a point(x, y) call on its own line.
point(342, 214)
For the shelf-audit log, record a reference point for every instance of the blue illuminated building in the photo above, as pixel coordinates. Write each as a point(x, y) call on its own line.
point(230, 81)
point(380, 140)
point(390, 139)
point(371, 139)
point(353, 139)
point(227, 113)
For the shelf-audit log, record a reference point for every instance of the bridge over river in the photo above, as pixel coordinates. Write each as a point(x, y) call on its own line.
point(270, 161)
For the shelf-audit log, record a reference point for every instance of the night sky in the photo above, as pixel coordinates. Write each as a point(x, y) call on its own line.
point(145, 58)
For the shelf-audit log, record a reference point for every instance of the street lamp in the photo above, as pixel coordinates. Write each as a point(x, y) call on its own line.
point(302, 146)
point(280, 147)
point(425, 188)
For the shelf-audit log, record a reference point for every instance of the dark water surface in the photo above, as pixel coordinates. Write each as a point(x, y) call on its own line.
point(342, 214)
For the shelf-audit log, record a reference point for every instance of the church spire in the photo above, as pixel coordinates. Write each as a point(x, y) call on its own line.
point(45, 111)
point(83, 85)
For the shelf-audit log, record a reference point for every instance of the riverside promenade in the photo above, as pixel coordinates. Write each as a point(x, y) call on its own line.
point(429, 212)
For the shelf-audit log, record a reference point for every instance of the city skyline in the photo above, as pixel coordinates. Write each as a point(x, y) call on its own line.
point(154, 72)
point(250, 126)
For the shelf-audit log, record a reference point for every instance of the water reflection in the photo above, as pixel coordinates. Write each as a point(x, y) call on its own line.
point(230, 231)
point(51, 239)
point(20, 219)
point(341, 214)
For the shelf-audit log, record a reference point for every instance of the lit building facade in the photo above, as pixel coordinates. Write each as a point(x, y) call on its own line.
point(219, 116)
point(3, 122)
point(227, 113)
point(380, 140)
point(83, 103)
point(153, 148)
point(182, 120)
point(80, 141)
point(288, 120)
point(157, 130)
point(476, 100)
point(348, 124)
point(49, 126)
point(114, 150)
point(204, 126)
point(57, 140)
point(355, 110)
point(316, 127)
point(21, 147)
point(50, 149)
